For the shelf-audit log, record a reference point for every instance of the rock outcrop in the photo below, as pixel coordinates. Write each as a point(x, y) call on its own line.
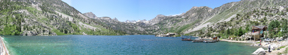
point(90, 15)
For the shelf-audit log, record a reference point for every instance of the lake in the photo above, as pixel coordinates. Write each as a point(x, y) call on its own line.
point(119, 45)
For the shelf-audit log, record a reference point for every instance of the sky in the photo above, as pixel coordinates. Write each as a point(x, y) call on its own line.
point(140, 9)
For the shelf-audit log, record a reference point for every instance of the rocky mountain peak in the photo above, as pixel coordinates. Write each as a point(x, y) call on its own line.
point(90, 15)
point(157, 19)
point(107, 18)
point(201, 7)
point(160, 15)
point(115, 19)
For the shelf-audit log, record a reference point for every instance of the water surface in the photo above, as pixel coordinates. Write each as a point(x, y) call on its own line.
point(119, 45)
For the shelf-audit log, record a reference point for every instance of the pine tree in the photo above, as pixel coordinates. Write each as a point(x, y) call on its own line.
point(284, 26)
point(240, 31)
point(271, 25)
point(247, 29)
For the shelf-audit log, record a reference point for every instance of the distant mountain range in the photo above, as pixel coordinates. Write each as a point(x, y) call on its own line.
point(55, 17)
point(199, 18)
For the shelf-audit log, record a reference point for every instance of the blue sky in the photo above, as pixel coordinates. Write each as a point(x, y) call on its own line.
point(140, 9)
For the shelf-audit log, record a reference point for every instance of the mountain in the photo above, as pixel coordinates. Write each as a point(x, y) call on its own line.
point(90, 15)
point(194, 20)
point(55, 17)
point(199, 18)
point(47, 17)
point(129, 27)
point(241, 24)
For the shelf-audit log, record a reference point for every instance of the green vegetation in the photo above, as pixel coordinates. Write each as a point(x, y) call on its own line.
point(279, 53)
point(12, 25)
point(221, 16)
point(58, 32)
point(275, 28)
point(234, 32)
point(11, 22)
point(185, 27)
point(282, 47)
point(286, 50)
point(11, 30)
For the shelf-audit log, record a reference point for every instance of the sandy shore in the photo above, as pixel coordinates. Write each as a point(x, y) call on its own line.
point(3, 48)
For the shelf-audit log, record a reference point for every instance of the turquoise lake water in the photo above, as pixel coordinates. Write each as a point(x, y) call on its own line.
point(119, 45)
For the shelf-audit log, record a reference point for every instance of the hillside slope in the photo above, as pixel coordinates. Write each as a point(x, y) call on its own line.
point(199, 18)
point(46, 17)
point(194, 20)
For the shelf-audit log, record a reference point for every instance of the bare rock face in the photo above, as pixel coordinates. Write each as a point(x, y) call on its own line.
point(157, 19)
point(90, 15)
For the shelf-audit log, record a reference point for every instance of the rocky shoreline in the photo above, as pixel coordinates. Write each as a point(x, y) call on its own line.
point(4, 50)
point(166, 35)
point(275, 45)
point(237, 41)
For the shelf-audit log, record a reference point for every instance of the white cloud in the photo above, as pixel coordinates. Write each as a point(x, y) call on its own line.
point(68, 2)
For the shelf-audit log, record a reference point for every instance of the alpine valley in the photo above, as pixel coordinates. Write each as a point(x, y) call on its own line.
point(55, 17)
